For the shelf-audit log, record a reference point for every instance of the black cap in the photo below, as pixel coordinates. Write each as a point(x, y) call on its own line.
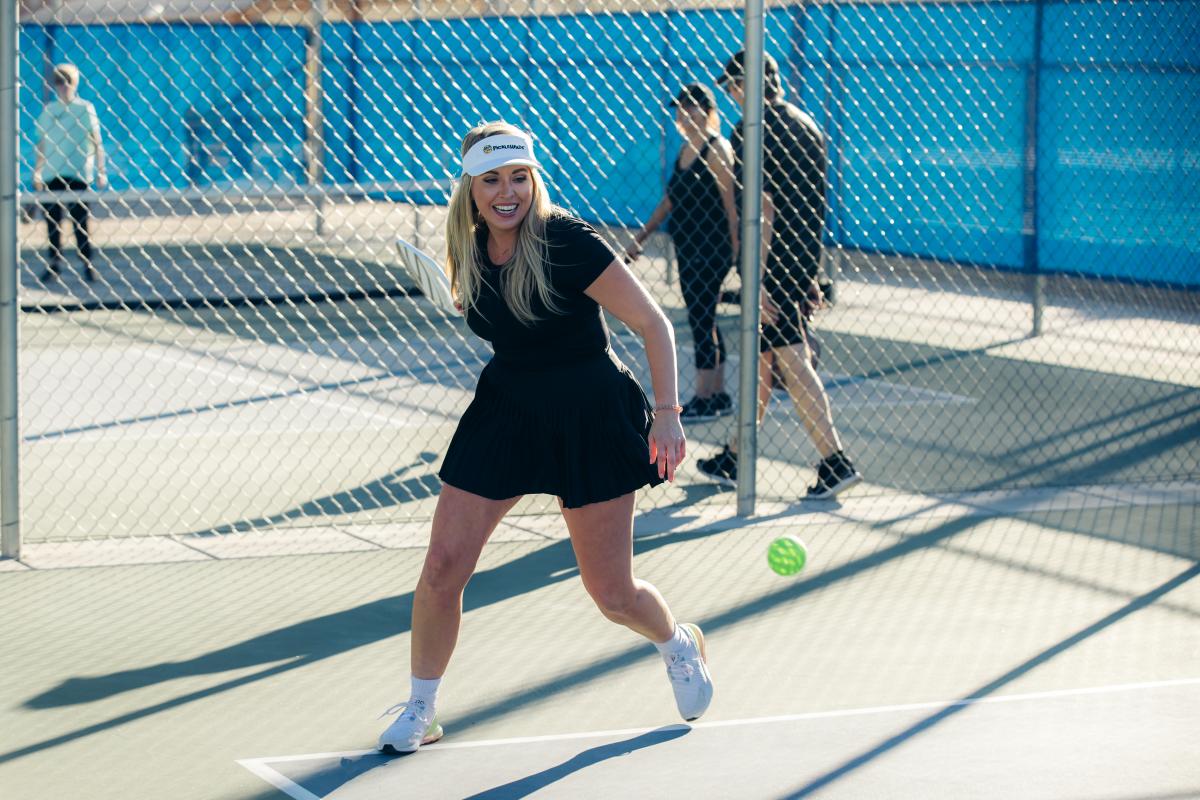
point(735, 68)
point(696, 95)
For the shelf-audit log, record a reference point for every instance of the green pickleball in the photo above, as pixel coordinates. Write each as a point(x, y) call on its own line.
point(787, 555)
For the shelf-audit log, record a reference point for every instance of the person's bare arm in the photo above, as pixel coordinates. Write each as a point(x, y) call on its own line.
point(620, 293)
point(656, 219)
point(719, 160)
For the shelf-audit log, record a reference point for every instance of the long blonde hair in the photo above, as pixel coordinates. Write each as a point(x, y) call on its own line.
point(526, 274)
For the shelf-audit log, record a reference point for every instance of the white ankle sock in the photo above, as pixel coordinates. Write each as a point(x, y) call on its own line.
point(679, 643)
point(425, 690)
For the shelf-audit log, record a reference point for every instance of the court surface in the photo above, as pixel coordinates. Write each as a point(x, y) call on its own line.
point(1035, 644)
point(228, 519)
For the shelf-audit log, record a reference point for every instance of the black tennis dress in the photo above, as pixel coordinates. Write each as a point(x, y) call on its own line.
point(555, 412)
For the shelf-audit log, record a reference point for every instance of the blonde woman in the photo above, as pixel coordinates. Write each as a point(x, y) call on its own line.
point(555, 412)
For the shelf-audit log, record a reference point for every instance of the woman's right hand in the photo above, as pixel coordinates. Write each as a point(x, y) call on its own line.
point(632, 252)
point(668, 444)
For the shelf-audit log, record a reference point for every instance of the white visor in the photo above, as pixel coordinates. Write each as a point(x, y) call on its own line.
point(494, 152)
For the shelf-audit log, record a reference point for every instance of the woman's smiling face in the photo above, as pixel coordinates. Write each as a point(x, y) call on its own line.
point(503, 196)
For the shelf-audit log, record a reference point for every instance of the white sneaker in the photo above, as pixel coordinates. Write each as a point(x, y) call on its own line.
point(689, 676)
point(415, 726)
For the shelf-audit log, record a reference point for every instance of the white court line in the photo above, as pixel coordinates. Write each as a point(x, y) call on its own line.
point(259, 765)
point(280, 782)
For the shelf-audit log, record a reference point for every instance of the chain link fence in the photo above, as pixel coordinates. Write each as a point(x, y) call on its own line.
point(1010, 256)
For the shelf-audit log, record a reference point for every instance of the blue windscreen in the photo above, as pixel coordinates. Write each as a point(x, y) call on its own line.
point(925, 107)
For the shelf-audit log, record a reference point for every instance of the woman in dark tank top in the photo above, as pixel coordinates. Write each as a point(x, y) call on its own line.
point(699, 200)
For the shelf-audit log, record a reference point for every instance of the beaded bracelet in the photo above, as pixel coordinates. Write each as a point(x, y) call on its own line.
point(678, 409)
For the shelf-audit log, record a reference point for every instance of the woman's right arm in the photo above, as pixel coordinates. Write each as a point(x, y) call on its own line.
point(621, 294)
point(656, 218)
point(720, 162)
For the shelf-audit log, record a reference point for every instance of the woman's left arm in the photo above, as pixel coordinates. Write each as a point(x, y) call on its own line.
point(623, 296)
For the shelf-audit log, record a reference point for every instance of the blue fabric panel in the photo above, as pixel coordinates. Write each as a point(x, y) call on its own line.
point(815, 92)
point(388, 119)
point(923, 105)
point(929, 169)
point(1161, 32)
point(181, 105)
point(265, 106)
point(952, 31)
point(614, 38)
point(599, 167)
point(814, 33)
point(32, 43)
point(341, 45)
point(488, 40)
point(1119, 175)
point(448, 104)
point(603, 77)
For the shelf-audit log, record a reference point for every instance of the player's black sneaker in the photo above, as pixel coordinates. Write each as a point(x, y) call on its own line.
point(722, 404)
point(705, 409)
point(52, 271)
point(722, 467)
point(698, 409)
point(835, 474)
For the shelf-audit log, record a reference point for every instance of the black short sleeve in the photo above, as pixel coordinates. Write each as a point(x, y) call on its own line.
point(577, 254)
point(575, 328)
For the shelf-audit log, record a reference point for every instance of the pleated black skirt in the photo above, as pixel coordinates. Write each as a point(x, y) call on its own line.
point(577, 431)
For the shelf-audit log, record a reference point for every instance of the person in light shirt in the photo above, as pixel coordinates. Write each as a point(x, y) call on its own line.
point(70, 157)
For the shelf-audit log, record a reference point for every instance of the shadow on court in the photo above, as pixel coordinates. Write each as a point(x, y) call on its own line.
point(1031, 424)
point(892, 742)
point(308, 642)
point(390, 490)
point(320, 638)
point(326, 780)
point(594, 755)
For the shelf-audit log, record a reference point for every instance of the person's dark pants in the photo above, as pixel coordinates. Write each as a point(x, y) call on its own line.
point(701, 287)
point(79, 217)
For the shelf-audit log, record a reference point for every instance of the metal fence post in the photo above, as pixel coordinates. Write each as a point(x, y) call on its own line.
point(751, 266)
point(1029, 225)
point(10, 503)
point(314, 111)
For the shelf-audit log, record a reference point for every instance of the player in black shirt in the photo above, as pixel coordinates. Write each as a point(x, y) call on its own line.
point(794, 167)
point(555, 412)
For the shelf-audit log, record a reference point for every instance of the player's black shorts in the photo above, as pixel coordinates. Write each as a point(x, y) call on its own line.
point(791, 285)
